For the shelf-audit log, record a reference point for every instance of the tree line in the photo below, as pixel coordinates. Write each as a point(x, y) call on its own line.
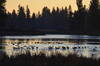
point(57, 21)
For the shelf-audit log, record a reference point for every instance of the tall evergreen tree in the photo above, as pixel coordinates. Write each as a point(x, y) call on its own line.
point(21, 12)
point(27, 12)
point(21, 18)
point(46, 12)
point(79, 16)
point(2, 14)
point(46, 17)
point(94, 17)
point(33, 16)
point(79, 4)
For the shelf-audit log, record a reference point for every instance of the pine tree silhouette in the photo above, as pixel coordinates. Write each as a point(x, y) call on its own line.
point(2, 15)
point(93, 17)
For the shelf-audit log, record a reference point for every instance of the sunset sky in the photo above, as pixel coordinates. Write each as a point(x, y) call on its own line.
point(37, 5)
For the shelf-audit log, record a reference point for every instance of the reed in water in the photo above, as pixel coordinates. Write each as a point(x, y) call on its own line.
point(42, 60)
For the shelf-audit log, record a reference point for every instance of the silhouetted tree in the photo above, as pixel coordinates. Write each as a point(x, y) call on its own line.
point(21, 18)
point(14, 19)
point(94, 17)
point(2, 15)
point(33, 20)
point(45, 19)
point(70, 20)
point(45, 12)
point(33, 16)
point(27, 12)
point(63, 19)
point(79, 4)
point(79, 17)
point(11, 23)
point(21, 12)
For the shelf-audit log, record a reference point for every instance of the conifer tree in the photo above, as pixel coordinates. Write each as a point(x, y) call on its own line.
point(2, 14)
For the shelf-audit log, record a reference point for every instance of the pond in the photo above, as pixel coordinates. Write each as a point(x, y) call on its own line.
point(81, 45)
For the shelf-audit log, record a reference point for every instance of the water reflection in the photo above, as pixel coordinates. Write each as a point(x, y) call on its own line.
point(86, 46)
point(48, 50)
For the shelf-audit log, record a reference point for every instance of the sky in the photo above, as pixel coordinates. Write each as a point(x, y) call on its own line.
point(37, 5)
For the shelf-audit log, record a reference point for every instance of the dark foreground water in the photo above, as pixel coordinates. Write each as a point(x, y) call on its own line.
point(42, 60)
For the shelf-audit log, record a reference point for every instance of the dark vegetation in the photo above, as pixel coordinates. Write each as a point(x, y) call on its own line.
point(57, 21)
point(42, 60)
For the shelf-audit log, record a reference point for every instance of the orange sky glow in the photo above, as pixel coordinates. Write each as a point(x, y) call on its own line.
point(37, 5)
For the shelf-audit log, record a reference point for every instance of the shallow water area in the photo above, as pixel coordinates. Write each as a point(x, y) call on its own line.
point(81, 45)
